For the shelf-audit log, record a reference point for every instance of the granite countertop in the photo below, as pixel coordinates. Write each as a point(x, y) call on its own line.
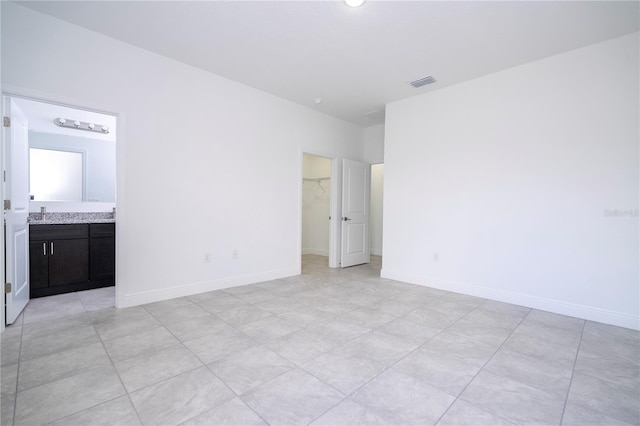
point(70, 218)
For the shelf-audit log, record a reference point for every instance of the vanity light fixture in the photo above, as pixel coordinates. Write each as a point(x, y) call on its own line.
point(354, 3)
point(80, 125)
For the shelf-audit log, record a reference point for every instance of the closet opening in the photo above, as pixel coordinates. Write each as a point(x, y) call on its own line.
point(316, 211)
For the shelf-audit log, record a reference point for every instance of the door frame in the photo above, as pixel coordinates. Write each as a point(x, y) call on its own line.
point(115, 110)
point(335, 206)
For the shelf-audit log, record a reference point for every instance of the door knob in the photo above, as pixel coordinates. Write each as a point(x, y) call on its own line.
point(345, 218)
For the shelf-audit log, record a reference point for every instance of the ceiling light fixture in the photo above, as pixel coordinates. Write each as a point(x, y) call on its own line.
point(354, 3)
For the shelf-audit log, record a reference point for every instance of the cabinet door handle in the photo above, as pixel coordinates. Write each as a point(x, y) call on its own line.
point(44, 249)
point(51, 248)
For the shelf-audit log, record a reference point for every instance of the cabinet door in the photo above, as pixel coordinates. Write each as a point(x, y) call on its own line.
point(38, 264)
point(69, 262)
point(103, 260)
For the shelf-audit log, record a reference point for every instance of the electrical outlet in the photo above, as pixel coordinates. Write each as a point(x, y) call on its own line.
point(436, 257)
point(207, 258)
point(235, 254)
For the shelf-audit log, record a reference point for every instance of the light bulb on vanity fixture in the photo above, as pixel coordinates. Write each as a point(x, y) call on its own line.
point(354, 3)
point(80, 125)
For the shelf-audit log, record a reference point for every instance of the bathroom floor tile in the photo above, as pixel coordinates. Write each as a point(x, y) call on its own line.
point(53, 307)
point(99, 298)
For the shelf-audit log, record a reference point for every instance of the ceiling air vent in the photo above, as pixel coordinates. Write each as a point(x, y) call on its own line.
point(423, 81)
point(375, 115)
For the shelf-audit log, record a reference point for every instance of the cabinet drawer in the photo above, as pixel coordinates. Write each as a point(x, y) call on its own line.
point(58, 232)
point(98, 230)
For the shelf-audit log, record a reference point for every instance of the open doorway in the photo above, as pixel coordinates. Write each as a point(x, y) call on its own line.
point(316, 210)
point(64, 182)
point(375, 218)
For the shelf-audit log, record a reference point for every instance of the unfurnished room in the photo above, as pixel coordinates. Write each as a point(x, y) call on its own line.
point(328, 213)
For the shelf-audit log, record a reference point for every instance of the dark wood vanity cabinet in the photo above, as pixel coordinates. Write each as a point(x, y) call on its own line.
point(73, 257)
point(102, 252)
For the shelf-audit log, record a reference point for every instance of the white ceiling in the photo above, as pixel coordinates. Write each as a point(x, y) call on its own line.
point(356, 60)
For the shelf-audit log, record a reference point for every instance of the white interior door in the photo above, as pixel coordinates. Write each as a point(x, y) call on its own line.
point(356, 183)
point(16, 209)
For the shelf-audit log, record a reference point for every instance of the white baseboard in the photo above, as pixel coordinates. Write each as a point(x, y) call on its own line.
point(319, 252)
point(556, 306)
point(159, 295)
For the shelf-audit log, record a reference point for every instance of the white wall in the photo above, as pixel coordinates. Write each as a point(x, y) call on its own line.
point(205, 165)
point(511, 180)
point(373, 146)
point(316, 206)
point(376, 210)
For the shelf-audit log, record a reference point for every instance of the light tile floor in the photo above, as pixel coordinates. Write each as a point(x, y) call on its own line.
point(329, 347)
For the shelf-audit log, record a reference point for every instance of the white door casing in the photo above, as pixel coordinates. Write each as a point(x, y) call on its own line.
point(16, 191)
point(356, 184)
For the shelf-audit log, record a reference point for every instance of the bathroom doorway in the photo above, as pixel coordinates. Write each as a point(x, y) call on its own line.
point(68, 242)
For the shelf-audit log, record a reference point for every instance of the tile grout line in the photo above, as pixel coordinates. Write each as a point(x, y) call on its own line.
point(457, 397)
point(319, 286)
point(203, 365)
point(296, 366)
point(15, 399)
point(348, 396)
point(135, 410)
point(106, 353)
point(573, 372)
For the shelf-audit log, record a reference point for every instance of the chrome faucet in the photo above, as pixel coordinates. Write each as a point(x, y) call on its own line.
point(43, 213)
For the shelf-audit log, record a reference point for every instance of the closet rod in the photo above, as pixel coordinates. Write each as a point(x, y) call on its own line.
point(315, 179)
